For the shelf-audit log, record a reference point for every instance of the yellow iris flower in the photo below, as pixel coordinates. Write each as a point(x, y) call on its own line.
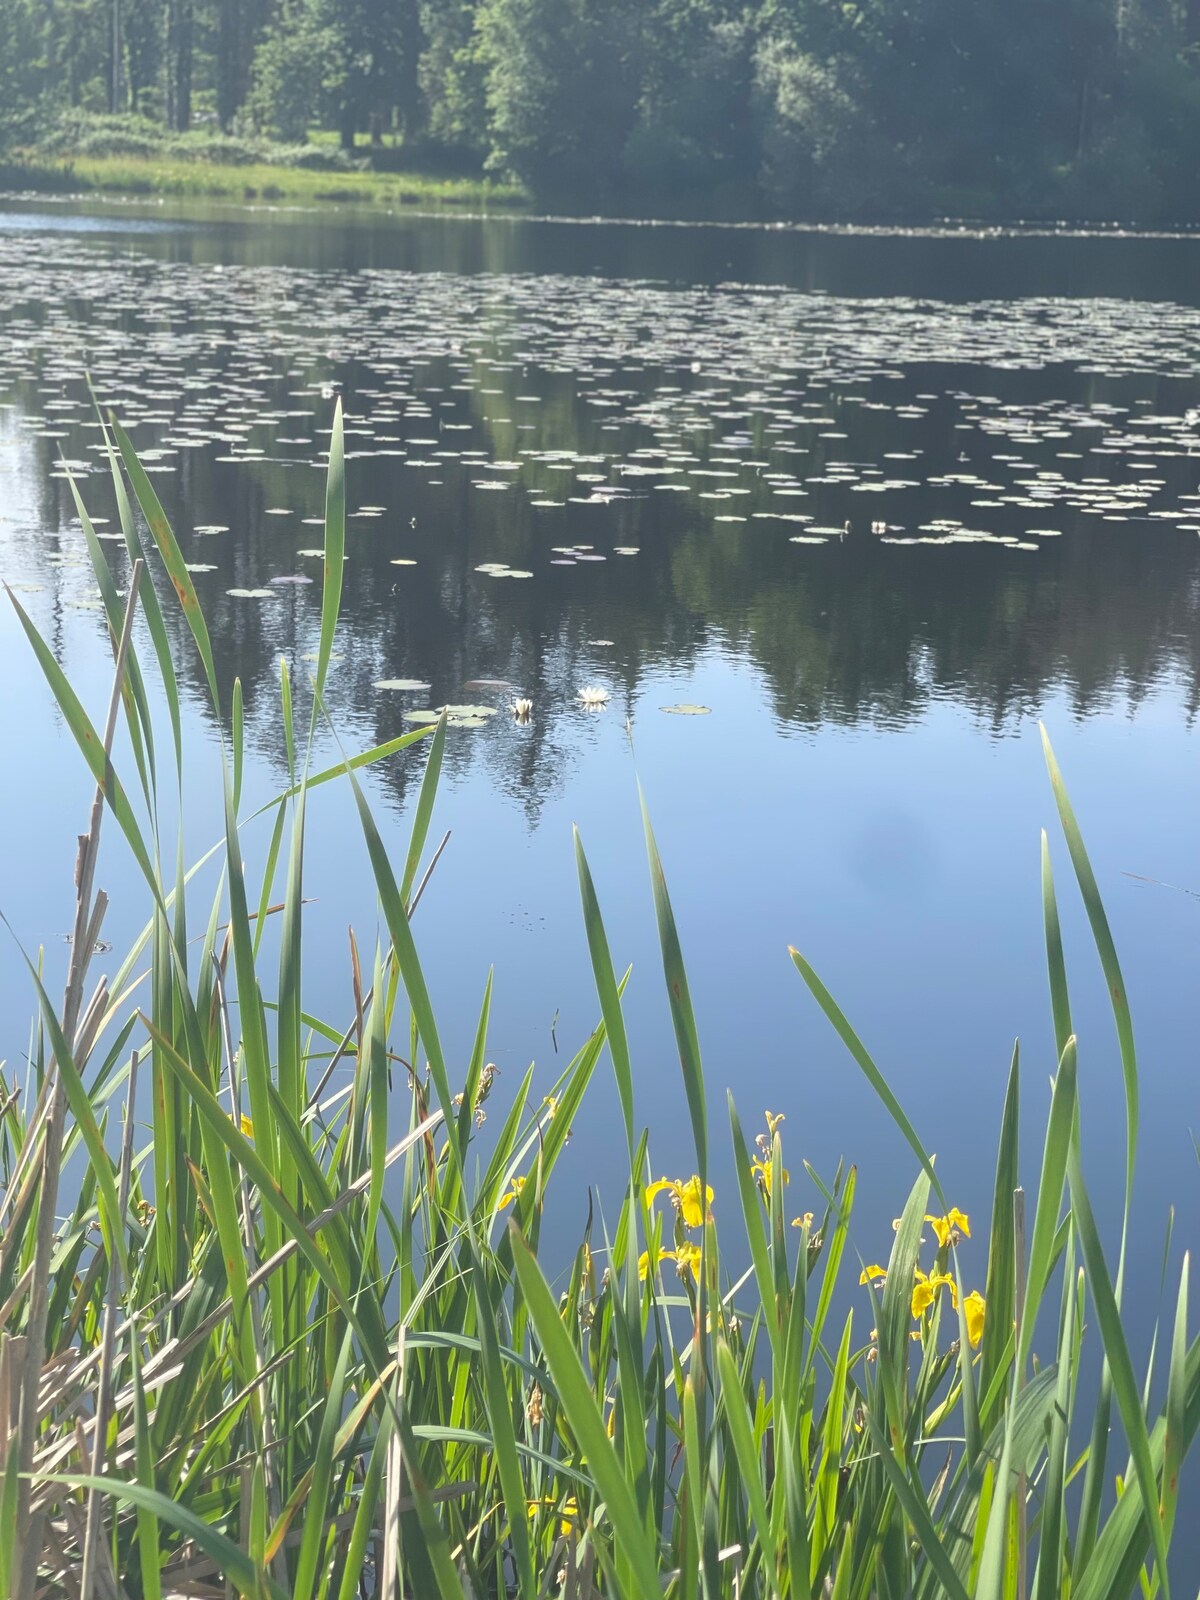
point(874, 1274)
point(686, 1259)
point(774, 1118)
point(686, 1197)
point(570, 1511)
point(975, 1308)
point(954, 1221)
point(644, 1262)
point(925, 1290)
point(762, 1171)
point(514, 1193)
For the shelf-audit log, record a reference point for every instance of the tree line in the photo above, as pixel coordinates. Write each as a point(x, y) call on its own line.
point(806, 108)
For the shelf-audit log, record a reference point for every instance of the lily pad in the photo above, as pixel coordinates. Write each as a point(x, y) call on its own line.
point(687, 711)
point(252, 594)
point(456, 716)
point(402, 684)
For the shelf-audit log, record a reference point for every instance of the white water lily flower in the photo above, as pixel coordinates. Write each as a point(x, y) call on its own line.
point(521, 708)
point(592, 695)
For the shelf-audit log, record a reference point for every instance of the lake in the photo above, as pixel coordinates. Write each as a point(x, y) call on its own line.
point(876, 503)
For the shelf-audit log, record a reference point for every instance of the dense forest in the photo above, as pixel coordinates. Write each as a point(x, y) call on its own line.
point(877, 109)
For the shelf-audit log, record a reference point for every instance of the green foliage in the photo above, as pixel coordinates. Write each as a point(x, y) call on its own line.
point(452, 76)
point(563, 86)
point(301, 1338)
point(873, 109)
point(819, 145)
point(27, 78)
point(369, 59)
point(78, 134)
point(289, 74)
point(694, 128)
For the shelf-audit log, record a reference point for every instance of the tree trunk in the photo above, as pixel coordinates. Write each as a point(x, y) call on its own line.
point(240, 25)
point(114, 86)
point(407, 87)
point(229, 53)
point(169, 64)
point(183, 68)
point(179, 65)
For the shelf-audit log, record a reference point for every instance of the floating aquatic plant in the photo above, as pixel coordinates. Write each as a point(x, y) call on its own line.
point(456, 716)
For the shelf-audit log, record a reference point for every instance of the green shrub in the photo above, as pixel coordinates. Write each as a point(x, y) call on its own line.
point(137, 138)
point(289, 75)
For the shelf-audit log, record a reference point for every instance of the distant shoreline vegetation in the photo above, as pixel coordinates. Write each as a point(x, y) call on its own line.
point(134, 176)
point(867, 110)
point(210, 170)
point(132, 156)
point(805, 162)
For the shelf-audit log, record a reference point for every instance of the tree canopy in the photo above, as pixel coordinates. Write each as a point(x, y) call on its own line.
point(881, 109)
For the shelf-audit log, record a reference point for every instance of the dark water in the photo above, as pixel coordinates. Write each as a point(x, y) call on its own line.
point(654, 438)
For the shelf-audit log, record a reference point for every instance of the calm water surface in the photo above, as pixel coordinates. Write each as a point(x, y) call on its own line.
point(627, 456)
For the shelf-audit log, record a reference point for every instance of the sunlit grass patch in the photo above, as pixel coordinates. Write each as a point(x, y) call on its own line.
point(180, 177)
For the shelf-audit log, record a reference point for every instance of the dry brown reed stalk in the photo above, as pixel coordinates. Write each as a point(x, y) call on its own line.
point(89, 915)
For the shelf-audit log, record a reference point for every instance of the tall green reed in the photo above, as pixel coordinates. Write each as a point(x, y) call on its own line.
point(275, 1351)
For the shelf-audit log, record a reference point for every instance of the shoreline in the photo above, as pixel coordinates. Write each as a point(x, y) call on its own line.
point(116, 181)
point(122, 177)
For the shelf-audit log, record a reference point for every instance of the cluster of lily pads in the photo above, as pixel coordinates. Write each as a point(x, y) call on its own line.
point(592, 697)
point(746, 400)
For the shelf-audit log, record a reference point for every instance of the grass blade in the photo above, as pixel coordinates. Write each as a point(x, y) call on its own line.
point(585, 1417)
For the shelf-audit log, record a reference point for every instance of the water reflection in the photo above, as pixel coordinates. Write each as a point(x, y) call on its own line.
point(562, 481)
point(951, 263)
point(675, 467)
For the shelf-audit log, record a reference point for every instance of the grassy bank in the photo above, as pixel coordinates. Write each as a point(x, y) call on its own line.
point(288, 1329)
point(181, 177)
